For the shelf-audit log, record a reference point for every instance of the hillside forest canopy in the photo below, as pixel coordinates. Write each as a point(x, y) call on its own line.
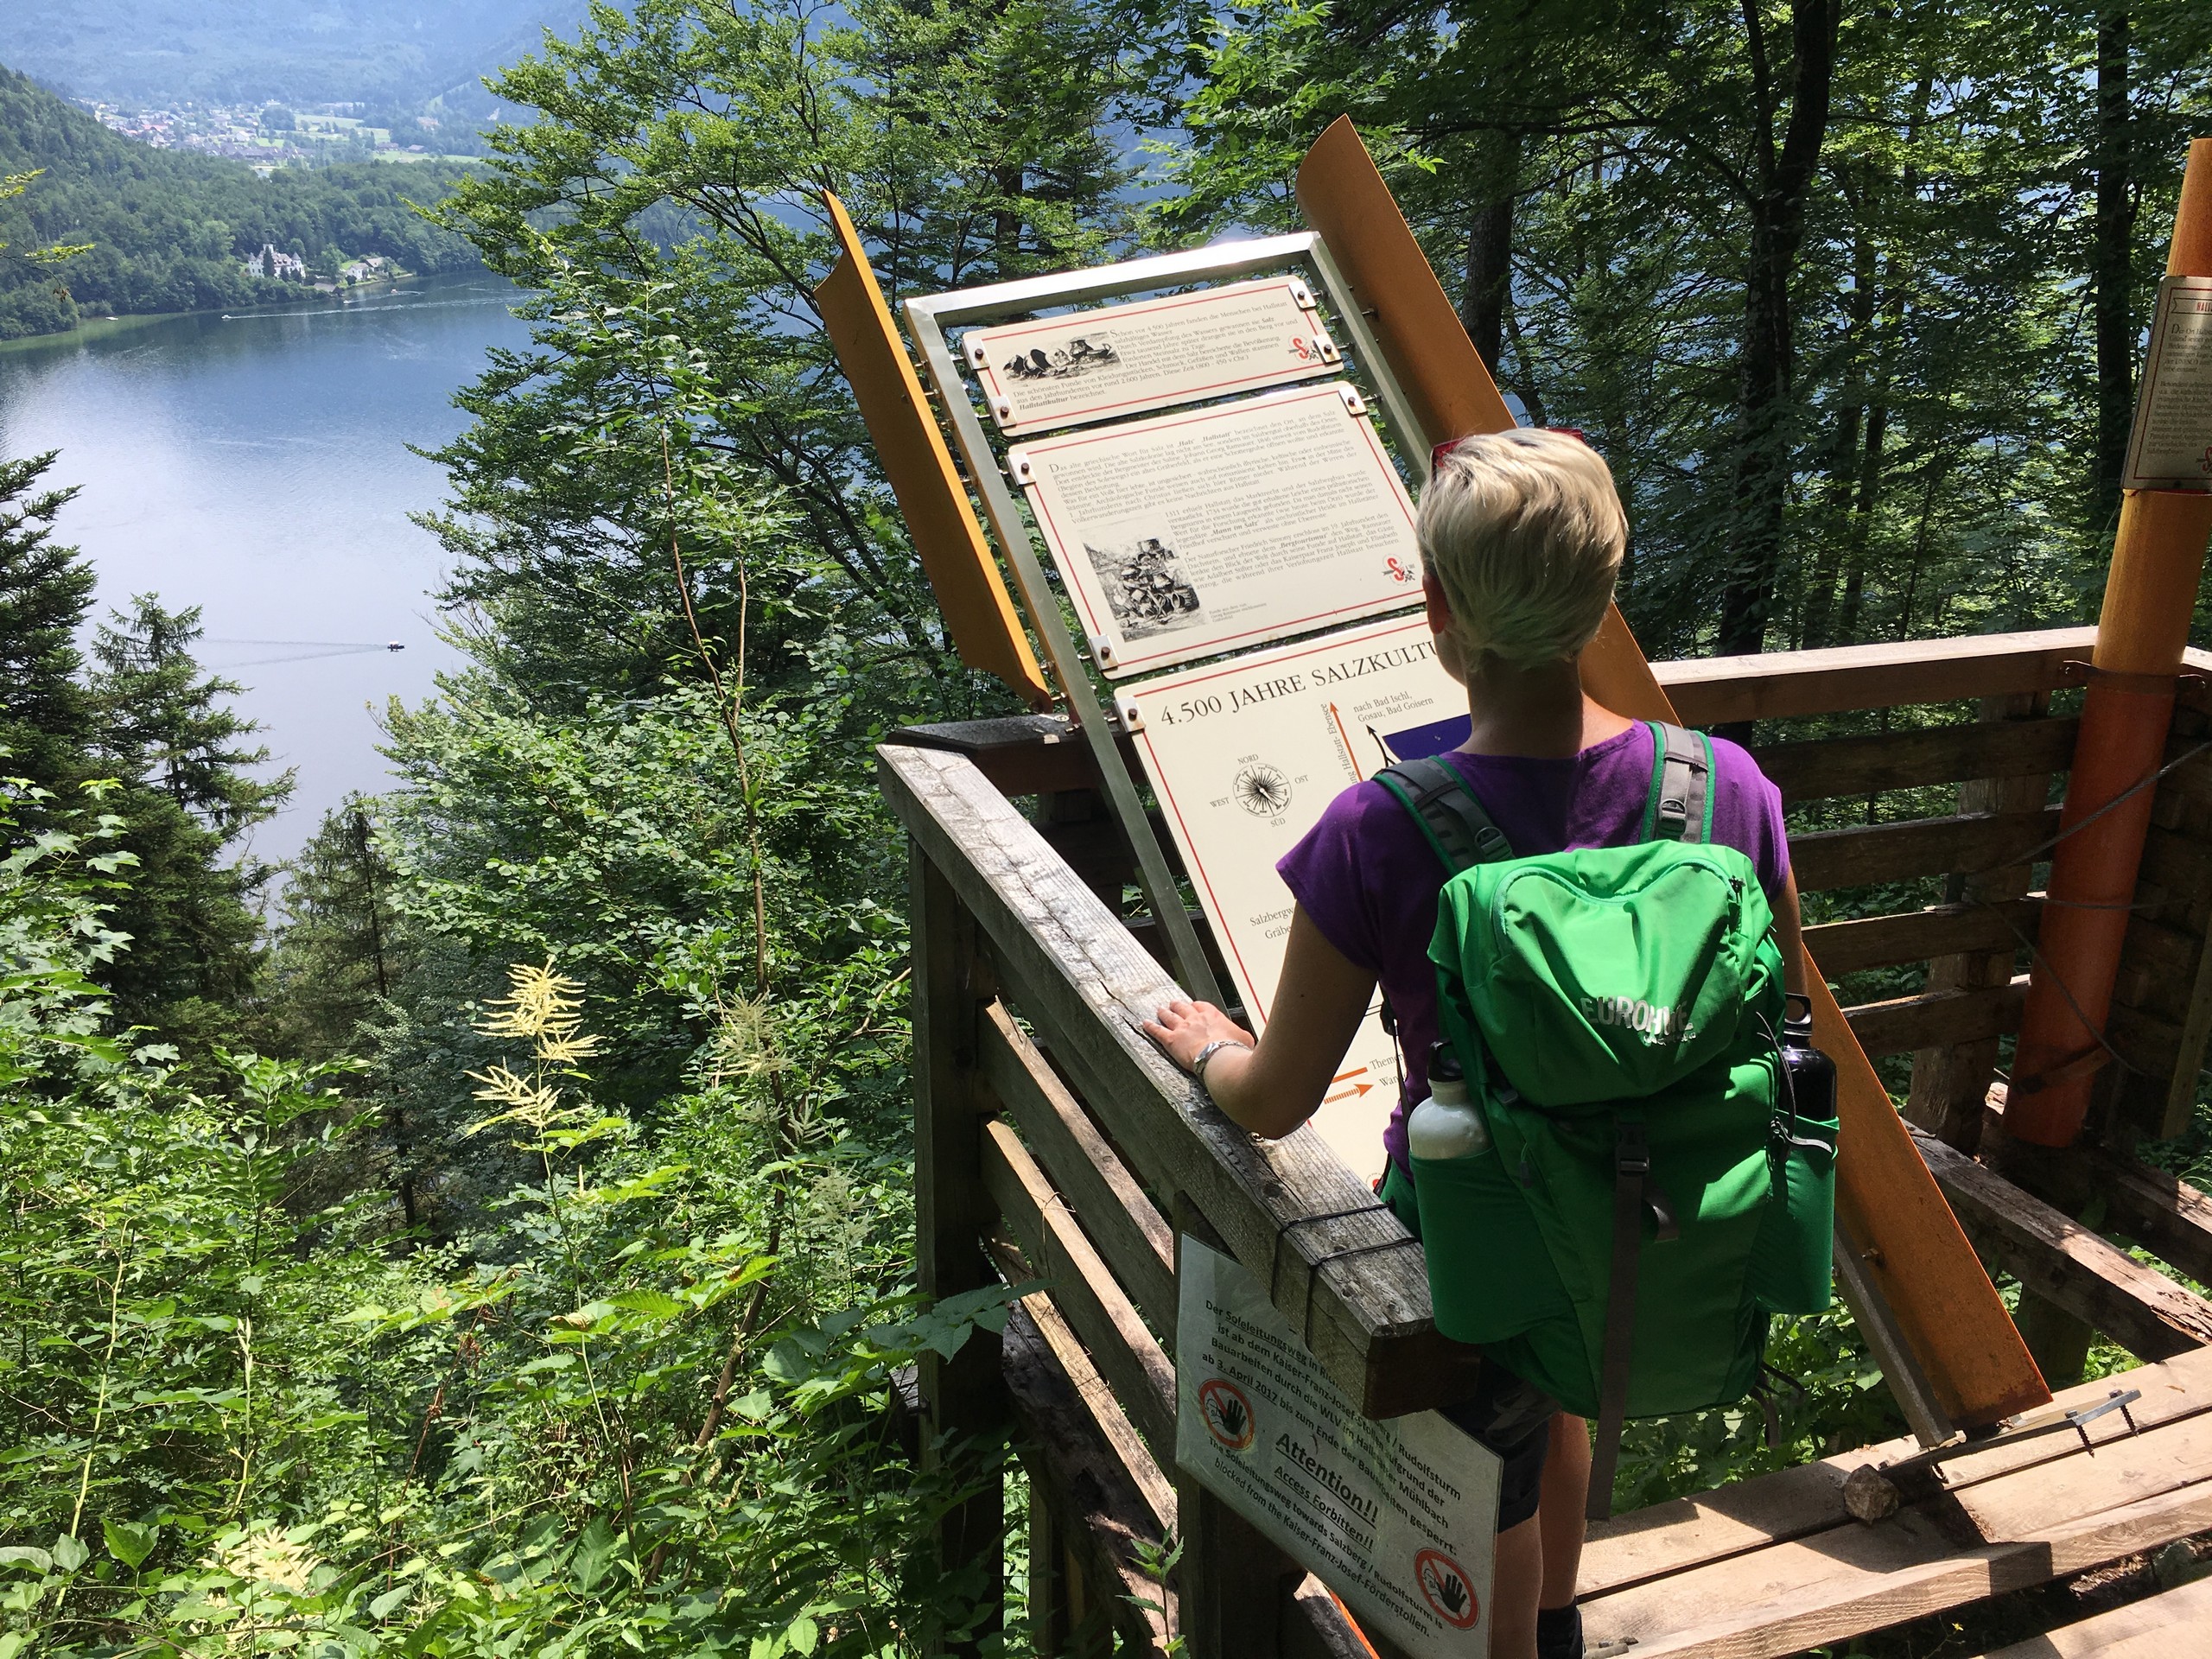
point(502, 1242)
point(167, 231)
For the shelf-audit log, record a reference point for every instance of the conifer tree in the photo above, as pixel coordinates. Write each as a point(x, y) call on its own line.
point(188, 797)
point(46, 714)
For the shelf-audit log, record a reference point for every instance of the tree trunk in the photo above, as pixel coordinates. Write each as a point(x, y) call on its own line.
point(1844, 467)
point(1777, 218)
point(2111, 271)
point(1489, 293)
point(1862, 518)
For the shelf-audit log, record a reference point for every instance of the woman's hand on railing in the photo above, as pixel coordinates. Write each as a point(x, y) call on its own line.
point(1184, 1029)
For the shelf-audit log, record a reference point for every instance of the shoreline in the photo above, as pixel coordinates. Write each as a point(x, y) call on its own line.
point(91, 328)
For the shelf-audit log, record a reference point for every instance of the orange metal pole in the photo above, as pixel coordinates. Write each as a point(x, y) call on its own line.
point(2157, 560)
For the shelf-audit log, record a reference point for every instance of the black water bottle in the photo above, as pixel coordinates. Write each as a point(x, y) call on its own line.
point(1809, 1074)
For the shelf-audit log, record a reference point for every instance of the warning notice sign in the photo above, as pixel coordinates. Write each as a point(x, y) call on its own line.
point(2171, 445)
point(1398, 1518)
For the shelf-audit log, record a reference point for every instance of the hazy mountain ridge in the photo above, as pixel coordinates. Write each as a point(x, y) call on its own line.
point(400, 52)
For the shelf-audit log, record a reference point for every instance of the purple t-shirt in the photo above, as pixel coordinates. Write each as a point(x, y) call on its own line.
point(1369, 880)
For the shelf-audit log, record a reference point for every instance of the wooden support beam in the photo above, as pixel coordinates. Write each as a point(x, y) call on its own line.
point(1920, 935)
point(1106, 1495)
point(1951, 1076)
point(1972, 841)
point(1126, 1354)
point(1835, 766)
point(1129, 1232)
point(2139, 1307)
point(1071, 967)
point(2164, 1213)
point(1905, 1023)
point(964, 1396)
point(1317, 1627)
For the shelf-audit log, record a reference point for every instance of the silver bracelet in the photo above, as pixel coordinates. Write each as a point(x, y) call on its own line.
point(1198, 1065)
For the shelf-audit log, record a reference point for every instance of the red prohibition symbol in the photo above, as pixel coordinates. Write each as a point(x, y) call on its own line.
point(1227, 1414)
point(1444, 1586)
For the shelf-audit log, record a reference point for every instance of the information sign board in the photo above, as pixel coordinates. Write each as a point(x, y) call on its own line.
point(1118, 360)
point(2170, 448)
point(1189, 535)
point(1244, 756)
point(1399, 1517)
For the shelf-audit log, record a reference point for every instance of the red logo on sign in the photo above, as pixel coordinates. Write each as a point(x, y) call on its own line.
point(1227, 1414)
point(1444, 1586)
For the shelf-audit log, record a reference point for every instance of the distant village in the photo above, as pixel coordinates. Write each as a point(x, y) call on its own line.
point(266, 137)
point(273, 263)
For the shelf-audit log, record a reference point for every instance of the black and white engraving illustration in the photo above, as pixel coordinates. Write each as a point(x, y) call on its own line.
point(1145, 587)
point(1078, 357)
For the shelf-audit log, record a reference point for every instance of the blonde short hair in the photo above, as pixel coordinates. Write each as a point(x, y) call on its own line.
point(1525, 531)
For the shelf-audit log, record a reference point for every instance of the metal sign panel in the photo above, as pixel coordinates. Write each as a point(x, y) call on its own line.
point(1244, 756)
point(1399, 1517)
point(1190, 535)
point(1115, 361)
point(2171, 445)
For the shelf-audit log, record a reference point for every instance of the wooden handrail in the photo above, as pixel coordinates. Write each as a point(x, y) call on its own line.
point(1711, 690)
point(1352, 1281)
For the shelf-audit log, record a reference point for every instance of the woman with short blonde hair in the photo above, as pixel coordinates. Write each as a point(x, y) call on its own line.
point(1521, 536)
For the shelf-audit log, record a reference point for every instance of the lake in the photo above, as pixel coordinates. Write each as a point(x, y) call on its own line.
point(256, 466)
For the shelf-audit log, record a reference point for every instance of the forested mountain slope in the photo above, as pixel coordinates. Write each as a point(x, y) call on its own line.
point(250, 50)
point(170, 231)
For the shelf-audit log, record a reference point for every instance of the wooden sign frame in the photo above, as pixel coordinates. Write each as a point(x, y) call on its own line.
point(978, 613)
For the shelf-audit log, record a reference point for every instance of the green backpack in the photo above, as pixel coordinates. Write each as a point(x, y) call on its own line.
point(1649, 1196)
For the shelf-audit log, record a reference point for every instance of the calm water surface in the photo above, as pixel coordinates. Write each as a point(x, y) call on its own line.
point(256, 466)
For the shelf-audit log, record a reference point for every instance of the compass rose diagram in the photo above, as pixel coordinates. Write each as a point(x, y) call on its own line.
point(1262, 791)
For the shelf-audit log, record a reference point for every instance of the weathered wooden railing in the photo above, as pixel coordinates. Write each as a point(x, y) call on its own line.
point(1055, 1144)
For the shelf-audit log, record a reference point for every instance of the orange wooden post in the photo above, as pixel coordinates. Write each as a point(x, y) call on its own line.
point(2158, 559)
point(1915, 1253)
point(978, 611)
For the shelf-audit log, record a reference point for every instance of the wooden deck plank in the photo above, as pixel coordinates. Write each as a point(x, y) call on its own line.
point(1685, 1533)
point(2157, 1627)
point(1844, 1583)
point(2043, 1510)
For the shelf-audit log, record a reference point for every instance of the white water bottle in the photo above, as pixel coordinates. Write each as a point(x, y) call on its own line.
point(1448, 1124)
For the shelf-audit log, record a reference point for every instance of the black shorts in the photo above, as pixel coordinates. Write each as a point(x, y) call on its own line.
point(1513, 1420)
point(1509, 1416)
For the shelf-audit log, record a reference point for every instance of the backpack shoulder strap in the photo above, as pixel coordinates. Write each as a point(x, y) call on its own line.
point(1445, 809)
point(1681, 805)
